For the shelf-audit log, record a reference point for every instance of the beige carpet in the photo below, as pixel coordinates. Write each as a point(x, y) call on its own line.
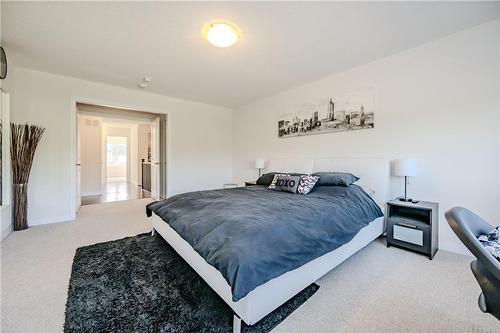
point(377, 290)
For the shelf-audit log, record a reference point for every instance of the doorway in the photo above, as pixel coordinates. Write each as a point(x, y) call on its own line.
point(120, 155)
point(117, 159)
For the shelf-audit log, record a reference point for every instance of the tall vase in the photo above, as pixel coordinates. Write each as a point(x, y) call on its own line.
point(20, 192)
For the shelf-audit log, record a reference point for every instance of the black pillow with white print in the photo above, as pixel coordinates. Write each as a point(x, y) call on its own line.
point(287, 184)
point(305, 184)
point(275, 179)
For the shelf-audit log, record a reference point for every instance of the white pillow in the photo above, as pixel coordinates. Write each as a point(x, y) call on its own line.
point(307, 183)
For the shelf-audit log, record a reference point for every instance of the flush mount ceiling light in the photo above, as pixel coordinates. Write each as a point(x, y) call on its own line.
point(221, 34)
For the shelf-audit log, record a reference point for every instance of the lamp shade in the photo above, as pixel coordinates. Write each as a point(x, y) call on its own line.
point(405, 167)
point(260, 164)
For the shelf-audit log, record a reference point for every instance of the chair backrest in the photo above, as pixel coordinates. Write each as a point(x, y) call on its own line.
point(468, 226)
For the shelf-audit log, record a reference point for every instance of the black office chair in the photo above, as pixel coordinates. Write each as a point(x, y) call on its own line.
point(485, 268)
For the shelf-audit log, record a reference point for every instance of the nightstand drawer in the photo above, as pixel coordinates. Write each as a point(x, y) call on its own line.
point(409, 235)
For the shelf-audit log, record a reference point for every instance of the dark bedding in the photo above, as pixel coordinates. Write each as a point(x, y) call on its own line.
point(252, 234)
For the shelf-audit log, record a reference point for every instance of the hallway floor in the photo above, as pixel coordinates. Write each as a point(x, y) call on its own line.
point(116, 191)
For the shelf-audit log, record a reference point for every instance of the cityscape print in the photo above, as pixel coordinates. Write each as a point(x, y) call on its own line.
point(351, 112)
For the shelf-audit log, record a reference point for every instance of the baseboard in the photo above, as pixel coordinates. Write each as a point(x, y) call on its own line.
point(50, 220)
point(456, 248)
point(6, 231)
point(86, 194)
point(5, 221)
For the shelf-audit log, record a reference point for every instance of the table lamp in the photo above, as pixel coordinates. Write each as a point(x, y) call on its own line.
point(405, 168)
point(260, 164)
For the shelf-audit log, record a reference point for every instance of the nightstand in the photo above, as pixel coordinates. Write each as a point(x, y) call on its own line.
point(413, 226)
point(250, 183)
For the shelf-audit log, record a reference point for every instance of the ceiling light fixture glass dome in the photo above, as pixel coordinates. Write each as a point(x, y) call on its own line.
point(221, 34)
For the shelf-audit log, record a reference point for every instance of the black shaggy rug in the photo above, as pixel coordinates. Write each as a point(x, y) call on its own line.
point(140, 284)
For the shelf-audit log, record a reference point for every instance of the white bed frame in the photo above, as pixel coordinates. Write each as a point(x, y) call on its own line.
point(264, 299)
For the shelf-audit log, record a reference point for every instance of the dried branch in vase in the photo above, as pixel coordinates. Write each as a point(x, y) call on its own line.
point(24, 141)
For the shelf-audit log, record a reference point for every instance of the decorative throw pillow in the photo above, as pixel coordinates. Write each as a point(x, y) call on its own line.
point(335, 178)
point(491, 242)
point(275, 179)
point(266, 179)
point(287, 184)
point(273, 182)
point(307, 183)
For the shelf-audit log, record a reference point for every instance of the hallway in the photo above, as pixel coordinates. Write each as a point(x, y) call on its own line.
point(116, 191)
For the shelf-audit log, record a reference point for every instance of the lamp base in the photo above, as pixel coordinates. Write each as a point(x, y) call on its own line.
point(408, 200)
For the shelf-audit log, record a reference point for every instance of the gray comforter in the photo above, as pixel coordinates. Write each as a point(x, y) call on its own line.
point(252, 234)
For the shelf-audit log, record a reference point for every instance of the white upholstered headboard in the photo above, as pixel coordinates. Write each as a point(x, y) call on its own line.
point(373, 173)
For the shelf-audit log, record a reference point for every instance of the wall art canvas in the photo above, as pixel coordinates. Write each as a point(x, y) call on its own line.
point(347, 112)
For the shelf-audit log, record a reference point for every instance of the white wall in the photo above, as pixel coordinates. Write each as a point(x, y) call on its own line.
point(199, 137)
point(437, 103)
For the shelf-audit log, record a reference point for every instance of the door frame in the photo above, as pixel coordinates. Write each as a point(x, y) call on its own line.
point(73, 177)
point(155, 159)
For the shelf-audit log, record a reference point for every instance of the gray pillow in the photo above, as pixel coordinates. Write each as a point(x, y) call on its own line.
point(335, 178)
point(287, 183)
point(266, 179)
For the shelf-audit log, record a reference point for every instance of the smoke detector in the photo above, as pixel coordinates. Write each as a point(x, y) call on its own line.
point(145, 81)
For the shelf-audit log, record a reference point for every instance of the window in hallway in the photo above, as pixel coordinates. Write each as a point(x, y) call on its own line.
point(116, 152)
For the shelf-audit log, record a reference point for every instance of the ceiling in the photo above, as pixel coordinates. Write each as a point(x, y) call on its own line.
point(282, 45)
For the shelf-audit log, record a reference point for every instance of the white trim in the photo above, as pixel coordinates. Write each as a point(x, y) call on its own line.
point(73, 150)
point(86, 194)
point(7, 231)
point(6, 165)
point(50, 220)
point(72, 141)
point(5, 212)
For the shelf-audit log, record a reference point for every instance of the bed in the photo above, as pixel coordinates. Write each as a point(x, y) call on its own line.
point(232, 239)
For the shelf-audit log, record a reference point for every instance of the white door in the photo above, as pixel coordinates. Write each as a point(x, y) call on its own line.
point(78, 168)
point(155, 159)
